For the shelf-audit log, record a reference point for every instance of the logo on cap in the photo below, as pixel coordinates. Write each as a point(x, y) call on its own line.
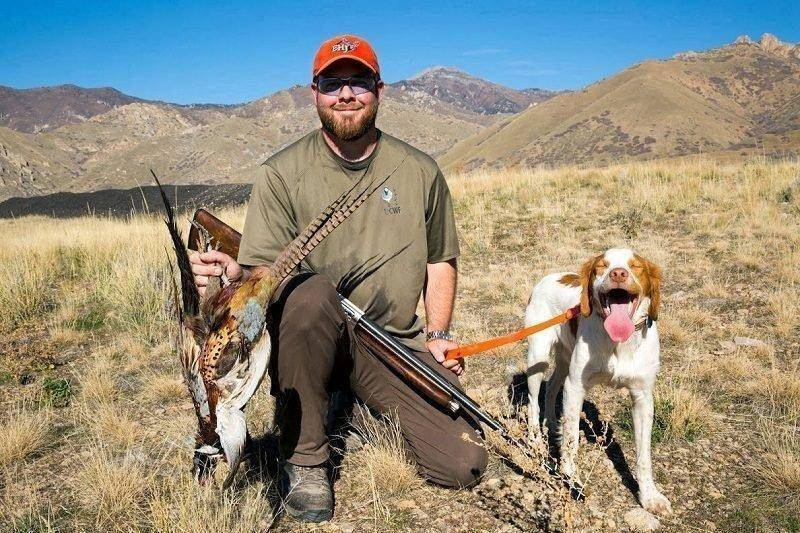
point(344, 46)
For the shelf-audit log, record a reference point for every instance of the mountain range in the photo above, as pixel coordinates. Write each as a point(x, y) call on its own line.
point(731, 101)
point(70, 139)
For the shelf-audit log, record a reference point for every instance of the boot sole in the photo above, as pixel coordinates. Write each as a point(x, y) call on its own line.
point(309, 515)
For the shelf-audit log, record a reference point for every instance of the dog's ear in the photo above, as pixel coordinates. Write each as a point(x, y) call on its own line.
point(588, 272)
point(652, 273)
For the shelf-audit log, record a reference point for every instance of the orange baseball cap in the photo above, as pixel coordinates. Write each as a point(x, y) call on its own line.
point(345, 47)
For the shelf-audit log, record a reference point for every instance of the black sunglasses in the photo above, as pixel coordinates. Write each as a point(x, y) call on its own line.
point(357, 84)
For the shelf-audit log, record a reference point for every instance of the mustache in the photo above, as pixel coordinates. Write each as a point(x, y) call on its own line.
point(347, 107)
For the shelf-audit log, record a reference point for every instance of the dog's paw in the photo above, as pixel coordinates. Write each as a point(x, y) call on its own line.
point(656, 503)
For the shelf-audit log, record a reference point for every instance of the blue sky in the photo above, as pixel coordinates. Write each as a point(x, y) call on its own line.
point(229, 52)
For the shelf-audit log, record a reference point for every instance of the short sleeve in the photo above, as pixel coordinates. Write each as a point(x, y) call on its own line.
point(270, 223)
point(440, 222)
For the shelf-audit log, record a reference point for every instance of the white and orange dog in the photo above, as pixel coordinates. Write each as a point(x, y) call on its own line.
point(614, 342)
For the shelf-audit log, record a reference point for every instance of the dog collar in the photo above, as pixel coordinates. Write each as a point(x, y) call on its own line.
point(645, 323)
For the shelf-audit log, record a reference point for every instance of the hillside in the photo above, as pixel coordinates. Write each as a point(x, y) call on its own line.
point(473, 94)
point(214, 144)
point(735, 100)
point(46, 108)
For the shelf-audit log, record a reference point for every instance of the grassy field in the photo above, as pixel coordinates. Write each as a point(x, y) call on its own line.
point(97, 427)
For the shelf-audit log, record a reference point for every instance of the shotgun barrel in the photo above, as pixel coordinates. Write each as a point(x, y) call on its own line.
point(459, 399)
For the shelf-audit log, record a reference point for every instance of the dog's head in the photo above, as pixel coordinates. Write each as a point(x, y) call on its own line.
point(622, 287)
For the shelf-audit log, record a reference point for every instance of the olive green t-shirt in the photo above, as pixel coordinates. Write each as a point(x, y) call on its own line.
point(377, 257)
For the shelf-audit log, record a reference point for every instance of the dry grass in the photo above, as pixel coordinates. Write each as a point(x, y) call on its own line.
point(729, 248)
point(187, 508)
point(785, 310)
point(112, 425)
point(113, 492)
point(163, 390)
point(685, 413)
point(24, 433)
point(778, 464)
point(778, 387)
point(99, 381)
point(388, 472)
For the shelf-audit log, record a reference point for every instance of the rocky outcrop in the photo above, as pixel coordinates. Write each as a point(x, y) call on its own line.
point(770, 43)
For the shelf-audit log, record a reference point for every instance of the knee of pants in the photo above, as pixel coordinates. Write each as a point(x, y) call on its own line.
point(467, 467)
point(311, 306)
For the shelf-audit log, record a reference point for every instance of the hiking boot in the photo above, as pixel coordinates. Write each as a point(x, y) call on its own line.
point(309, 496)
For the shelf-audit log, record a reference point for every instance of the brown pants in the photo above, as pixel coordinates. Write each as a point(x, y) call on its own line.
point(313, 355)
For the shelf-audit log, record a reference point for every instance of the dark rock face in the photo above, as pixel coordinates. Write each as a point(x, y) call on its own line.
point(125, 202)
point(471, 93)
point(46, 108)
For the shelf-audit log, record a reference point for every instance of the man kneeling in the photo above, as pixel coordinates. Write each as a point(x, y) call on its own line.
point(400, 244)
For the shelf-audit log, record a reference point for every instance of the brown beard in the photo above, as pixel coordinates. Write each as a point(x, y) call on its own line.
point(348, 128)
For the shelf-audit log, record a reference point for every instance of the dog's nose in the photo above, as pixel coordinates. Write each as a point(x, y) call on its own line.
point(619, 275)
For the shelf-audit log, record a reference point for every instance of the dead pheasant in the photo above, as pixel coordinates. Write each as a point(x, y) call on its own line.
point(224, 346)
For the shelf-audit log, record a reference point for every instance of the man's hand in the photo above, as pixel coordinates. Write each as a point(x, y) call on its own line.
point(214, 263)
point(437, 347)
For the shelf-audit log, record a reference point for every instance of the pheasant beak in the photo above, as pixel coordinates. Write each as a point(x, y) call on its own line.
point(205, 463)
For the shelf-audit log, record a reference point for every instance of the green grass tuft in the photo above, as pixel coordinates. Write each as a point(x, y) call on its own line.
point(57, 392)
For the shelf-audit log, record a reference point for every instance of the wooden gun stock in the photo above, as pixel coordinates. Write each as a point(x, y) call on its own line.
point(227, 240)
point(224, 237)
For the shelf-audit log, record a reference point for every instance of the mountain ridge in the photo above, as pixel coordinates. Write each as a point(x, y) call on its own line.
point(208, 144)
point(731, 101)
point(736, 100)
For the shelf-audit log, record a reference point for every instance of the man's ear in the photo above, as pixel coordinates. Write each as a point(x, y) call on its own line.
point(654, 289)
point(379, 88)
point(587, 280)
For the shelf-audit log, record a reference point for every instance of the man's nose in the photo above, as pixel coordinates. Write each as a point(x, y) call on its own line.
point(346, 94)
point(619, 275)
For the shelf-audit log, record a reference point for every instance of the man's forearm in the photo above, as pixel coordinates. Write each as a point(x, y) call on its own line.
point(440, 294)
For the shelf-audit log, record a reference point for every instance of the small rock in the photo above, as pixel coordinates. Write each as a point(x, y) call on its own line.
point(493, 483)
point(346, 527)
point(419, 513)
point(641, 521)
point(406, 504)
point(728, 345)
point(748, 341)
point(612, 525)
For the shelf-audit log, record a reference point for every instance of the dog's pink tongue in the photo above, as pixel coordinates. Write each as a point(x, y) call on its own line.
point(618, 324)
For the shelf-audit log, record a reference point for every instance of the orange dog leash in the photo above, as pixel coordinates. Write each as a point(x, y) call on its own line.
point(478, 347)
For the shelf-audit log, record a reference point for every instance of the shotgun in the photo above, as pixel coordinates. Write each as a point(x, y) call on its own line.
point(389, 351)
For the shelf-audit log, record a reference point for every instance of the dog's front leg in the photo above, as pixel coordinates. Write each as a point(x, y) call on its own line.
point(649, 496)
point(570, 420)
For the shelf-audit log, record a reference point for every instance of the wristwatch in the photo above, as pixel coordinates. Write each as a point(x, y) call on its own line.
point(438, 334)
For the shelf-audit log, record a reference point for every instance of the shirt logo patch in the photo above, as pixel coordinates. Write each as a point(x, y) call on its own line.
point(345, 46)
point(390, 197)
